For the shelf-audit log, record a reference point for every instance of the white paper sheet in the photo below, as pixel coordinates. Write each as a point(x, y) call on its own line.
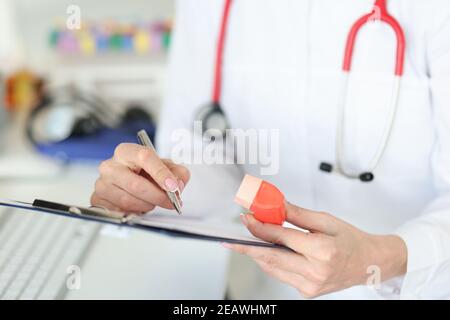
point(198, 226)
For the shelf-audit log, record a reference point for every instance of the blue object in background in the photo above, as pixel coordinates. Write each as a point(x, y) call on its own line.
point(127, 43)
point(101, 41)
point(98, 146)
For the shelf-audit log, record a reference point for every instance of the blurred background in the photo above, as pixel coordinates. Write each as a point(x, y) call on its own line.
point(77, 77)
point(77, 72)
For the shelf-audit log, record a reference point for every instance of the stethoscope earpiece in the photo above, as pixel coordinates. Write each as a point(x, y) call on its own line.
point(326, 167)
point(363, 177)
point(366, 176)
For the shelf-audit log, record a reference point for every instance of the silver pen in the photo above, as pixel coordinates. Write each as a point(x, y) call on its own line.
point(174, 196)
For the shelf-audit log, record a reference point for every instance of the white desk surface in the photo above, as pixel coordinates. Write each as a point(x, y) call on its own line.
point(141, 265)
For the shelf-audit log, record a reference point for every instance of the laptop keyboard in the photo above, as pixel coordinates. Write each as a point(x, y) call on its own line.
point(36, 251)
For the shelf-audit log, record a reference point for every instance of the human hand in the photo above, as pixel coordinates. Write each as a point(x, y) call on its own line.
point(135, 180)
point(332, 256)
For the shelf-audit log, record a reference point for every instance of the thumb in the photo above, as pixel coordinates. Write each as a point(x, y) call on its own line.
point(313, 221)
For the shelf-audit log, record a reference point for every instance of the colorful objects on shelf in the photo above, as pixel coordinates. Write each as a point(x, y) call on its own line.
point(108, 36)
point(23, 90)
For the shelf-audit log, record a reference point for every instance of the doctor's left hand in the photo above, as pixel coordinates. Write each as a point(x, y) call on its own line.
point(332, 256)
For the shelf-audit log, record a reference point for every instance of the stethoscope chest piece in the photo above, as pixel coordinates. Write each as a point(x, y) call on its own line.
point(212, 117)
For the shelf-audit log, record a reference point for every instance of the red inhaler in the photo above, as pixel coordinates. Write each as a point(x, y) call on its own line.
point(263, 199)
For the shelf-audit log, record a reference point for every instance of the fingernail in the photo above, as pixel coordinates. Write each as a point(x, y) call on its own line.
point(171, 184)
point(226, 245)
point(181, 185)
point(244, 219)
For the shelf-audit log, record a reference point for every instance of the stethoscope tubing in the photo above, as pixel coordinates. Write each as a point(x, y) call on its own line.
point(387, 132)
point(380, 14)
point(217, 85)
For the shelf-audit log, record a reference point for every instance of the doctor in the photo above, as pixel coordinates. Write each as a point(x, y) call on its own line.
point(379, 222)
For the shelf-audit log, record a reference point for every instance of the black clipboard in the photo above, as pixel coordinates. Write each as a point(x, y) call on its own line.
point(104, 216)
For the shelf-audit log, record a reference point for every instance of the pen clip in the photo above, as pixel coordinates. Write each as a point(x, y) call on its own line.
point(106, 213)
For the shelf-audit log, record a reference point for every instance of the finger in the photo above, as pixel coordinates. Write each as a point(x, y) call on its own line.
point(135, 156)
point(181, 172)
point(297, 240)
point(306, 288)
point(120, 198)
point(311, 220)
point(278, 258)
point(141, 188)
point(96, 201)
point(292, 279)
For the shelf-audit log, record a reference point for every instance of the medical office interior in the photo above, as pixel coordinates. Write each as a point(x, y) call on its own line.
point(355, 136)
point(115, 66)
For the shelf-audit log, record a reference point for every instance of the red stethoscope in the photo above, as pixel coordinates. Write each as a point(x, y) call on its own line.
point(213, 116)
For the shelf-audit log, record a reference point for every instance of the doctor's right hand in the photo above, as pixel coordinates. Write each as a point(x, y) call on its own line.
point(135, 179)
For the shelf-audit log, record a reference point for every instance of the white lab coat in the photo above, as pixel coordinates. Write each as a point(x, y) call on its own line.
point(282, 70)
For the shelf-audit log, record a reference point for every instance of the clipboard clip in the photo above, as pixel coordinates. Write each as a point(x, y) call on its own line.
point(94, 211)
